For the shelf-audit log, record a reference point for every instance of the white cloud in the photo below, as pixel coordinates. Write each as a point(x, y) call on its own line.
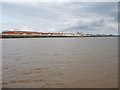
point(55, 16)
point(60, 1)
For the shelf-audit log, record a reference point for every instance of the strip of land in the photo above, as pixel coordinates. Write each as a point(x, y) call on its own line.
point(46, 36)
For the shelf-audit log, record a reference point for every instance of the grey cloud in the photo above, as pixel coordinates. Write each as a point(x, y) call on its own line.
point(63, 16)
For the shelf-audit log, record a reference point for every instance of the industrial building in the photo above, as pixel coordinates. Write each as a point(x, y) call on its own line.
point(29, 33)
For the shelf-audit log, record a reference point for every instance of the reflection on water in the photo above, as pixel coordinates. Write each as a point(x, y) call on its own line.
point(60, 62)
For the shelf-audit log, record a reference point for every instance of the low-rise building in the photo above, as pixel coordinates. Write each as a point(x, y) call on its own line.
point(20, 33)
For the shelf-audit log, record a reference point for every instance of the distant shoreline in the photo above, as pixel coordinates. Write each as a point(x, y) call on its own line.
point(35, 36)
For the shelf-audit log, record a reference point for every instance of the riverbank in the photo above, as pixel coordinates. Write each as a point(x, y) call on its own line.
point(46, 36)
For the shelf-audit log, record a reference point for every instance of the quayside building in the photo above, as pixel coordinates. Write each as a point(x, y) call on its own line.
point(29, 33)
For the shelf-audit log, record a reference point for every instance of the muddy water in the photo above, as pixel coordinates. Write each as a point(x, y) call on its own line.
point(60, 62)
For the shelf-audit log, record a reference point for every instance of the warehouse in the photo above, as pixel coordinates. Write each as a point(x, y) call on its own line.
point(20, 33)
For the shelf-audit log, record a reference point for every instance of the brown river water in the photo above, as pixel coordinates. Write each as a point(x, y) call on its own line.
point(87, 62)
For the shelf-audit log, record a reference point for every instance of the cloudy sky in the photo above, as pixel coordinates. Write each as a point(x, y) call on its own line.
point(87, 17)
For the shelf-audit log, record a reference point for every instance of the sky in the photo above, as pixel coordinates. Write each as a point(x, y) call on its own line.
point(86, 17)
